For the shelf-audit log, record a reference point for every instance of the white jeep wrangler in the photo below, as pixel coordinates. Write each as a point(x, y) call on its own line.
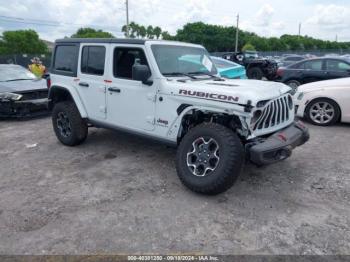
point(172, 92)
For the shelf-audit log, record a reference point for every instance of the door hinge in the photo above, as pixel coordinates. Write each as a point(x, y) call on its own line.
point(103, 109)
point(151, 120)
point(152, 97)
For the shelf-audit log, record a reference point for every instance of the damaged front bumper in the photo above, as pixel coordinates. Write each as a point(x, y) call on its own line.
point(279, 145)
point(25, 108)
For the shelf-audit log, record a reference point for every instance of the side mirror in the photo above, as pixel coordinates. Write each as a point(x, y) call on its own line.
point(141, 73)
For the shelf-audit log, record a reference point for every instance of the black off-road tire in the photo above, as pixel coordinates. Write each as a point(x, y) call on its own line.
point(78, 125)
point(255, 73)
point(231, 161)
point(336, 115)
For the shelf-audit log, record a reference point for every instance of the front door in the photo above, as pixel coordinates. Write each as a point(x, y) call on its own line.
point(337, 69)
point(91, 75)
point(130, 103)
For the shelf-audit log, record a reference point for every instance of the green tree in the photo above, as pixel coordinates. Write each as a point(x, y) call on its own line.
point(157, 31)
point(143, 31)
point(166, 35)
point(22, 42)
point(248, 47)
point(134, 30)
point(150, 33)
point(88, 32)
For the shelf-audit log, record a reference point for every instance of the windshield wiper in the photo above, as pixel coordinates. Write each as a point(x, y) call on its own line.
point(208, 74)
point(17, 79)
point(180, 74)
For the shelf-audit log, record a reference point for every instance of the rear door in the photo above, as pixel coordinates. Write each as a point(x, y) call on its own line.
point(313, 71)
point(90, 82)
point(337, 69)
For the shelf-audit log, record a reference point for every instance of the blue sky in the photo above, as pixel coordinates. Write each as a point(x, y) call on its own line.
point(320, 18)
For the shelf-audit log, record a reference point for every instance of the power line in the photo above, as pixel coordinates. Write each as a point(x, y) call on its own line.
point(50, 22)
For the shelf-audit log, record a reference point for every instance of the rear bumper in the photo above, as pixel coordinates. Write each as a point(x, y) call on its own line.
point(26, 108)
point(279, 146)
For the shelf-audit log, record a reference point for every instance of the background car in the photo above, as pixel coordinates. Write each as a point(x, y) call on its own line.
point(313, 70)
point(21, 93)
point(324, 103)
point(229, 69)
point(289, 60)
point(256, 67)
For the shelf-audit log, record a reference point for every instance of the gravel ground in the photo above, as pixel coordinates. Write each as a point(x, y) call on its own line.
point(119, 194)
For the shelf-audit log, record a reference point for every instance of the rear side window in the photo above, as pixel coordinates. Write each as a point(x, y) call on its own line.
point(93, 60)
point(66, 59)
point(314, 65)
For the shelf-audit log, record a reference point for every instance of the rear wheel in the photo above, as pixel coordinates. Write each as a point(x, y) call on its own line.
point(68, 125)
point(255, 73)
point(322, 112)
point(209, 158)
point(293, 84)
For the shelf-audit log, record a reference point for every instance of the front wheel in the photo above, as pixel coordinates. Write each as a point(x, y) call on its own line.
point(322, 112)
point(209, 158)
point(68, 125)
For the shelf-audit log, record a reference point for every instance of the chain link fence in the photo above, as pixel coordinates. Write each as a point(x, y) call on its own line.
point(24, 59)
point(318, 53)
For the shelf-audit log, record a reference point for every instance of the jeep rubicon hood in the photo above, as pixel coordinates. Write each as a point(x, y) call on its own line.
point(234, 91)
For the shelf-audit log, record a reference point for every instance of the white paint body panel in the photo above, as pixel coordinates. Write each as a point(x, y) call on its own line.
point(144, 109)
point(337, 90)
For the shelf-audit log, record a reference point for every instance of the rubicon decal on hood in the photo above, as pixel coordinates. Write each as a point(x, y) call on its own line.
point(211, 96)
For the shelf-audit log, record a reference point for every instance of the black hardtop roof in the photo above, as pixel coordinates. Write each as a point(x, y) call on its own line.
point(102, 40)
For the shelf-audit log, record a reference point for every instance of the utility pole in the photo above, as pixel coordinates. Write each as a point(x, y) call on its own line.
point(299, 29)
point(336, 38)
point(127, 17)
point(237, 29)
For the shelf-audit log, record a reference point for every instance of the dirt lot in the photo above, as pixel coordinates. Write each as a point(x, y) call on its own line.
point(120, 194)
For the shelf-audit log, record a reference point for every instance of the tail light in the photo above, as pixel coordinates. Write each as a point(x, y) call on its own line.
point(280, 72)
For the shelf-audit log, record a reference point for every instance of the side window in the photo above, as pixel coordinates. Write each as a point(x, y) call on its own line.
point(336, 65)
point(298, 66)
point(65, 59)
point(124, 59)
point(93, 60)
point(313, 65)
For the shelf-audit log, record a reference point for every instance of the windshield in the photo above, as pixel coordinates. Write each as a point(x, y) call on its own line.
point(15, 72)
point(176, 60)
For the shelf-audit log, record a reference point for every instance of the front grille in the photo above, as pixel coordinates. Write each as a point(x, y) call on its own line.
point(39, 94)
point(276, 113)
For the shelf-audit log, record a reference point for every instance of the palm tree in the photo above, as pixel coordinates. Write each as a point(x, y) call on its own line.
point(142, 31)
point(133, 27)
point(124, 29)
point(157, 31)
point(149, 32)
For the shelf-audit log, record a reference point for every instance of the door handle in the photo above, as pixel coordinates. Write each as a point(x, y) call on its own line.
point(114, 89)
point(84, 84)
